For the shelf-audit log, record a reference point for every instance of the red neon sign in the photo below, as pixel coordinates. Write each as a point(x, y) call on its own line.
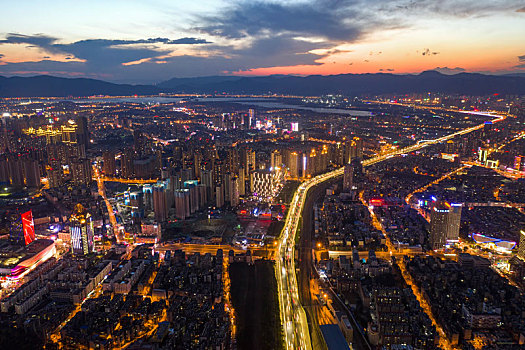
point(28, 227)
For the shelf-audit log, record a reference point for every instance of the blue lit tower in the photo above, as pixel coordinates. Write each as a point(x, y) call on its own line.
point(81, 230)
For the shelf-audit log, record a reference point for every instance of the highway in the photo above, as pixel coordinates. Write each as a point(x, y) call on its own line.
point(293, 316)
point(111, 213)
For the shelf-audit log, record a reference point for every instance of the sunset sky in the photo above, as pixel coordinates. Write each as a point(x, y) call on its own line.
point(151, 41)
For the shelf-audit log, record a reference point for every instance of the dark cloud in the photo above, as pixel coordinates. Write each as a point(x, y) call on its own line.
point(386, 69)
point(447, 70)
point(521, 65)
point(103, 51)
point(100, 55)
point(331, 20)
point(38, 40)
point(427, 52)
point(453, 8)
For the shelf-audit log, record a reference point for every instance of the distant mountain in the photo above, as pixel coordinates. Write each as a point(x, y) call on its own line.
point(48, 86)
point(515, 75)
point(353, 84)
point(348, 84)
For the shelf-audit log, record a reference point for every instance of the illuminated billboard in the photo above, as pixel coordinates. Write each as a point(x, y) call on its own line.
point(28, 227)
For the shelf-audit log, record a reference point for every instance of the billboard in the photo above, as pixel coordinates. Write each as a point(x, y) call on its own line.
point(28, 227)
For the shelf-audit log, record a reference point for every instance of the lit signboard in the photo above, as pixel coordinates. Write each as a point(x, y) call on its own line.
point(28, 226)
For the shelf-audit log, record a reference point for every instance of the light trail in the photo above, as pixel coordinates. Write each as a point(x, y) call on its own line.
point(293, 316)
point(111, 213)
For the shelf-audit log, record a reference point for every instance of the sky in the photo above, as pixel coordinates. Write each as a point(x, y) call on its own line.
point(130, 41)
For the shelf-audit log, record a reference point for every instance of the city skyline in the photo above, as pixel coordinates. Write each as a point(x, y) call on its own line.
point(146, 43)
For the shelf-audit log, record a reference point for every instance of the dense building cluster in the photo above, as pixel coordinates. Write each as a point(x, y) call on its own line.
point(471, 301)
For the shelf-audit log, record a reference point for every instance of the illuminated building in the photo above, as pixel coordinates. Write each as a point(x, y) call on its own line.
point(517, 163)
point(294, 126)
point(445, 220)
point(81, 229)
point(249, 161)
point(292, 163)
point(483, 155)
point(15, 261)
point(265, 185)
point(521, 248)
point(251, 115)
point(276, 160)
point(22, 228)
point(353, 149)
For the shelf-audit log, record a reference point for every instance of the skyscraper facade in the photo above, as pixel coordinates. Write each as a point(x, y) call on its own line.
point(81, 230)
point(445, 220)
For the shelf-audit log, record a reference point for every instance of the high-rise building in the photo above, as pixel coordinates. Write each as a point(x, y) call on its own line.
point(353, 149)
point(251, 116)
point(80, 170)
point(445, 221)
point(242, 182)
point(227, 186)
point(182, 203)
point(233, 191)
point(292, 163)
point(31, 172)
point(147, 191)
point(160, 202)
point(276, 159)
point(348, 177)
point(54, 175)
point(139, 142)
point(15, 170)
point(249, 161)
point(83, 131)
point(110, 166)
point(521, 247)
point(81, 230)
point(486, 134)
point(219, 196)
point(207, 180)
point(126, 163)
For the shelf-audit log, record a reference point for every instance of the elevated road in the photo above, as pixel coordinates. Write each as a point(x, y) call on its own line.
point(293, 316)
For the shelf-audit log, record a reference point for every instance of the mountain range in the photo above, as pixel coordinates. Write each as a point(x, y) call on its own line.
point(347, 84)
